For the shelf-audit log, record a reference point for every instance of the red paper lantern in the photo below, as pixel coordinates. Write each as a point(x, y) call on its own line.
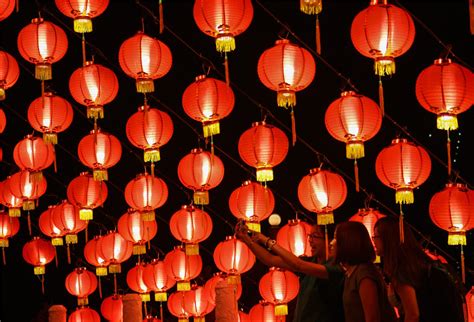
point(263, 146)
point(136, 281)
point(65, 217)
point(403, 166)
point(294, 237)
point(133, 228)
point(382, 32)
point(223, 20)
point(84, 314)
point(252, 202)
point(93, 85)
point(208, 100)
point(114, 249)
point(145, 193)
point(211, 284)
point(38, 252)
point(265, 311)
point(322, 191)
point(368, 217)
point(286, 68)
point(81, 283)
point(8, 199)
point(234, 258)
point(42, 43)
point(182, 267)
point(47, 227)
point(82, 11)
point(23, 186)
point(201, 171)
point(191, 225)
point(9, 227)
point(87, 194)
point(452, 209)
point(50, 114)
point(94, 257)
point(197, 304)
point(112, 308)
point(99, 150)
point(176, 306)
point(157, 279)
point(3, 121)
point(149, 129)
point(470, 305)
point(279, 287)
point(34, 155)
point(145, 59)
point(243, 317)
point(446, 89)
point(6, 8)
point(9, 70)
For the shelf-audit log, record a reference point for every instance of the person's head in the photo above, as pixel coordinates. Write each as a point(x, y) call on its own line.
point(316, 240)
point(352, 244)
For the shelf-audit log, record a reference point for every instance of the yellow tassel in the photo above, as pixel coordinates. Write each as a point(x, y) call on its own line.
point(101, 271)
point(191, 249)
point(4, 242)
point(233, 279)
point(325, 218)
point(211, 128)
point(253, 226)
point(139, 249)
point(457, 238)
point(43, 71)
point(201, 197)
point(356, 175)
point(86, 214)
point(50, 138)
point(183, 286)
point(404, 196)
point(82, 301)
point(264, 174)
point(381, 99)
point(281, 309)
point(82, 24)
point(311, 7)
point(39, 270)
point(28, 204)
point(355, 150)
point(14, 212)
point(225, 43)
point(115, 268)
point(100, 174)
point(183, 319)
point(293, 127)
point(161, 297)
point(447, 121)
point(377, 259)
point(145, 85)
point(160, 13)
point(71, 239)
point(145, 297)
point(286, 98)
point(318, 36)
point(2, 93)
point(226, 69)
point(384, 66)
point(148, 215)
point(95, 112)
point(57, 241)
point(448, 149)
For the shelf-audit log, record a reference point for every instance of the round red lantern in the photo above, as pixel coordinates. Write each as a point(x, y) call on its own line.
point(243, 317)
point(293, 237)
point(470, 304)
point(65, 217)
point(38, 252)
point(84, 314)
point(81, 283)
point(34, 155)
point(265, 311)
point(252, 202)
point(157, 279)
point(191, 225)
point(136, 281)
point(446, 89)
point(223, 20)
point(403, 166)
point(286, 68)
point(3, 121)
point(94, 257)
point(145, 59)
point(234, 258)
point(452, 209)
point(9, 70)
point(99, 150)
point(176, 306)
point(133, 228)
point(211, 284)
point(23, 186)
point(263, 146)
point(47, 227)
point(50, 114)
point(42, 43)
point(200, 170)
point(197, 304)
point(82, 11)
point(112, 308)
point(149, 129)
point(6, 8)
point(208, 100)
point(322, 191)
point(93, 85)
point(8, 199)
point(86, 194)
point(279, 287)
point(182, 267)
point(114, 249)
point(368, 217)
point(382, 32)
point(9, 227)
point(145, 193)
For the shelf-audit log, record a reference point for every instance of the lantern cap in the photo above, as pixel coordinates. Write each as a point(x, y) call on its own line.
point(84, 173)
point(197, 150)
point(178, 247)
point(97, 130)
point(200, 78)
point(246, 183)
point(189, 208)
point(274, 268)
point(399, 140)
point(461, 186)
point(37, 21)
point(442, 61)
point(377, 2)
point(229, 237)
point(314, 171)
point(261, 123)
point(349, 93)
point(282, 41)
point(294, 221)
point(88, 63)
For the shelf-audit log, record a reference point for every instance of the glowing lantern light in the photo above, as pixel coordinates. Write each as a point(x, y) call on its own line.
point(133, 228)
point(47, 227)
point(6, 8)
point(197, 304)
point(81, 283)
point(8, 199)
point(293, 237)
point(9, 70)
point(176, 306)
point(24, 187)
point(38, 252)
point(403, 166)
point(114, 249)
point(234, 258)
point(42, 43)
point(94, 257)
point(50, 114)
point(182, 267)
point(191, 225)
point(3, 121)
point(93, 85)
point(34, 155)
point(136, 281)
point(279, 287)
point(265, 311)
point(252, 202)
point(9, 227)
point(157, 279)
point(82, 11)
point(99, 150)
point(112, 307)
point(263, 146)
point(84, 314)
point(86, 194)
point(200, 171)
point(145, 59)
point(368, 217)
point(211, 284)
point(470, 304)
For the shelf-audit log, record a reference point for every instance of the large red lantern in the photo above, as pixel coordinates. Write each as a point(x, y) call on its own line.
point(112, 308)
point(8, 199)
point(200, 171)
point(211, 284)
point(234, 258)
point(252, 202)
point(223, 20)
point(133, 228)
point(145, 59)
point(34, 155)
point(9, 70)
point(84, 314)
point(136, 281)
point(87, 194)
point(403, 166)
point(94, 256)
point(470, 305)
point(47, 227)
point(145, 193)
point(99, 150)
point(6, 8)
point(279, 287)
point(293, 237)
point(9, 227)
point(114, 249)
point(38, 252)
point(149, 129)
point(197, 303)
point(208, 100)
point(93, 85)
point(82, 11)
point(191, 225)
point(3, 121)
point(286, 68)
point(42, 43)
point(182, 267)
point(263, 146)
point(265, 311)
point(50, 114)
point(176, 306)
point(368, 217)
point(23, 186)
point(322, 191)
point(157, 279)
point(81, 283)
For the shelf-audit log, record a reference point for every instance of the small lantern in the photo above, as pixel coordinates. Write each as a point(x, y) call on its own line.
point(84, 314)
point(176, 306)
point(182, 267)
point(279, 287)
point(87, 194)
point(136, 281)
point(95, 258)
point(135, 229)
point(23, 186)
point(157, 279)
point(293, 237)
point(81, 283)
point(34, 155)
point(197, 303)
point(234, 258)
point(112, 308)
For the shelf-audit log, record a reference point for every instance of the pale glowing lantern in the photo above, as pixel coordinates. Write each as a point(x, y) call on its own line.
point(293, 237)
point(157, 279)
point(234, 258)
point(197, 304)
point(94, 257)
point(87, 194)
point(135, 229)
point(182, 267)
point(81, 283)
point(279, 287)
point(176, 306)
point(136, 281)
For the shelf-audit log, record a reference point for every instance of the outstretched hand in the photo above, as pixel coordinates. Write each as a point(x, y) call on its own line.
point(241, 230)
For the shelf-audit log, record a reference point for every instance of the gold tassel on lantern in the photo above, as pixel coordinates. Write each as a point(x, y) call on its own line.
point(264, 173)
point(285, 96)
point(447, 121)
point(145, 85)
point(325, 218)
point(384, 66)
point(225, 42)
point(139, 249)
point(95, 112)
point(161, 297)
point(210, 128)
point(199, 319)
point(100, 174)
point(355, 149)
point(281, 309)
point(43, 71)
point(50, 138)
point(160, 15)
point(145, 297)
point(404, 196)
point(82, 301)
point(14, 212)
point(457, 238)
point(233, 279)
point(85, 214)
point(201, 197)
point(183, 286)
point(191, 249)
point(83, 24)
point(101, 271)
point(2, 93)
point(311, 7)
point(151, 155)
point(253, 226)
point(148, 215)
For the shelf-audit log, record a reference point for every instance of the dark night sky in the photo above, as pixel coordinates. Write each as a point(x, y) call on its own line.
point(192, 53)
